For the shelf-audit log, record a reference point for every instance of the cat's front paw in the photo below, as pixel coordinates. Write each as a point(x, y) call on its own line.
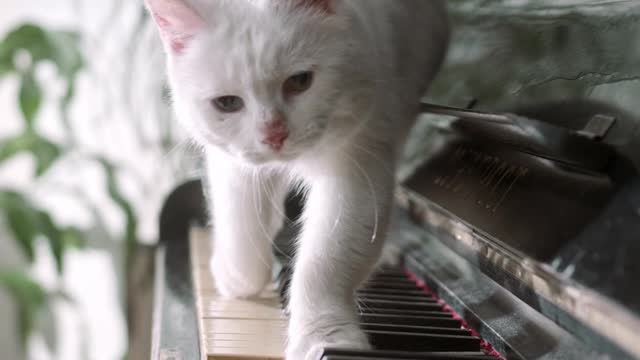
point(239, 282)
point(310, 344)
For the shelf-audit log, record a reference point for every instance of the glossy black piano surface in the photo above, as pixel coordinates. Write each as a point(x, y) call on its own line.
point(551, 212)
point(569, 225)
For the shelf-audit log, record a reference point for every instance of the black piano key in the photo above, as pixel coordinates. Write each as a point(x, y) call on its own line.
point(390, 271)
point(396, 271)
point(390, 285)
point(398, 315)
point(439, 314)
point(415, 298)
point(399, 305)
point(415, 329)
point(392, 280)
point(383, 340)
point(343, 354)
point(389, 277)
point(403, 292)
point(447, 322)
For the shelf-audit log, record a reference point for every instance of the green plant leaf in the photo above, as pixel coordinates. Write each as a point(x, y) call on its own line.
point(65, 103)
point(12, 146)
point(29, 297)
point(44, 151)
point(122, 203)
point(23, 226)
point(60, 47)
point(6, 64)
point(21, 220)
point(54, 236)
point(30, 98)
point(26, 223)
point(29, 37)
point(66, 53)
point(73, 238)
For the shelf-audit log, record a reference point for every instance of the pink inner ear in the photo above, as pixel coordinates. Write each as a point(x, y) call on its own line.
point(176, 21)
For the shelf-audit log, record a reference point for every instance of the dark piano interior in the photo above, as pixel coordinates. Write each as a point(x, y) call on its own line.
point(520, 239)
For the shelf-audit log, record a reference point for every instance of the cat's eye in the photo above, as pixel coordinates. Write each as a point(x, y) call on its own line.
point(228, 104)
point(298, 83)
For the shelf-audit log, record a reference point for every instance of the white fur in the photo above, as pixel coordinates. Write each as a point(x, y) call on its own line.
point(373, 60)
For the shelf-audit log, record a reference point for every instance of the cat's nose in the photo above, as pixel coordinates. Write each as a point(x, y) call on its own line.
point(276, 140)
point(274, 133)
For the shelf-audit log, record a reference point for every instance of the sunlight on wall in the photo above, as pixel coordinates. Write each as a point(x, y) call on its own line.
point(92, 327)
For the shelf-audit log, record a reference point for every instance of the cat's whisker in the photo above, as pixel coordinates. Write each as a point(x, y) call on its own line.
point(180, 146)
point(374, 156)
point(270, 197)
point(336, 223)
point(264, 189)
point(360, 305)
point(338, 219)
point(374, 236)
point(301, 140)
point(257, 203)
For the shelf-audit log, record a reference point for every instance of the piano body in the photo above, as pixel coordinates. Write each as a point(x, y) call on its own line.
point(519, 231)
point(519, 239)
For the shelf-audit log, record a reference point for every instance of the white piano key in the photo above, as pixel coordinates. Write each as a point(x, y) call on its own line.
point(244, 326)
point(234, 351)
point(232, 329)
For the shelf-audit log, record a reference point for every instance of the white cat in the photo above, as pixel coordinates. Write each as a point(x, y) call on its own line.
point(319, 93)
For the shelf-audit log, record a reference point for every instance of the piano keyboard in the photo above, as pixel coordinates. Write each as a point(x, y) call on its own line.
point(402, 320)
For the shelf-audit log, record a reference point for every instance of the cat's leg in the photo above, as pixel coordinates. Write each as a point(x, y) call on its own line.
point(248, 211)
point(345, 221)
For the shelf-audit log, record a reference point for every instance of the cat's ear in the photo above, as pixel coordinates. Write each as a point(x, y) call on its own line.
point(177, 22)
point(325, 6)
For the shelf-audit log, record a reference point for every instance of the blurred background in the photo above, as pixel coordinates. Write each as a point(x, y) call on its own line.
point(89, 149)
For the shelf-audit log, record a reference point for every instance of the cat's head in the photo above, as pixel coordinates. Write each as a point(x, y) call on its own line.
point(264, 80)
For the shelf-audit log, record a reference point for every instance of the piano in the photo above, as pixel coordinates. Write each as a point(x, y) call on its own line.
point(518, 238)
